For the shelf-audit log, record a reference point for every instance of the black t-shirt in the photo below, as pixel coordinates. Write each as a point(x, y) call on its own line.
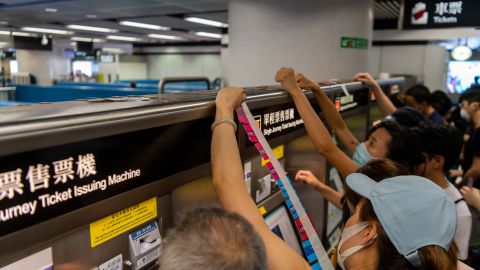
point(471, 150)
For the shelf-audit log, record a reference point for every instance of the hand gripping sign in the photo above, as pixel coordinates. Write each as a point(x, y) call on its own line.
point(315, 252)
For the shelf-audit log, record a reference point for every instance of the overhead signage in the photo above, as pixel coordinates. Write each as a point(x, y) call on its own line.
point(39, 185)
point(422, 14)
point(353, 43)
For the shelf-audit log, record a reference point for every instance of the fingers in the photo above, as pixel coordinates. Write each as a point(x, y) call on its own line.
point(284, 72)
point(464, 190)
point(230, 97)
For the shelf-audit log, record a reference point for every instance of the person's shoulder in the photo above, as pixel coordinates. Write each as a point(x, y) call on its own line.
point(436, 118)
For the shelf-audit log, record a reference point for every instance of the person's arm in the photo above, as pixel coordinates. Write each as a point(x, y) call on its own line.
point(314, 126)
point(333, 117)
point(229, 184)
point(384, 103)
point(471, 196)
point(327, 192)
point(473, 172)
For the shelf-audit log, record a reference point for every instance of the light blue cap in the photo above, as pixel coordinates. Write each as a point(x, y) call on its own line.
point(413, 211)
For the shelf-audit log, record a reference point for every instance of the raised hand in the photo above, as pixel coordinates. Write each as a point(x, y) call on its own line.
point(307, 177)
point(471, 196)
point(305, 83)
point(230, 98)
point(365, 78)
point(286, 77)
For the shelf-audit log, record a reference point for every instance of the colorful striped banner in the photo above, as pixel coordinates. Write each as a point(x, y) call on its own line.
point(312, 246)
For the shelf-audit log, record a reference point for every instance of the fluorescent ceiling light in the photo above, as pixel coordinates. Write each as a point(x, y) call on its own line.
point(84, 39)
point(91, 16)
point(46, 30)
point(124, 38)
point(91, 28)
point(51, 10)
point(205, 34)
point(164, 37)
point(23, 34)
point(205, 21)
point(5, 33)
point(144, 25)
point(113, 50)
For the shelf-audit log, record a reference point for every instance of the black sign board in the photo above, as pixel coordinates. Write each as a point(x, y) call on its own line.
point(276, 121)
point(423, 14)
point(43, 184)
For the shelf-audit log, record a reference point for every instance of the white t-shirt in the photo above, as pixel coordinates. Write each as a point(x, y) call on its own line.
point(464, 222)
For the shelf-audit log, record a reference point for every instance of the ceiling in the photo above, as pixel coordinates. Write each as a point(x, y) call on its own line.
point(15, 14)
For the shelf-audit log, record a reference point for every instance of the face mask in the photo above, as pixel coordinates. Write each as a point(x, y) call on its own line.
point(361, 155)
point(347, 234)
point(464, 114)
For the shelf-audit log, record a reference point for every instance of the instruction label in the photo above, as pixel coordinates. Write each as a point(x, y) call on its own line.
point(278, 152)
point(109, 227)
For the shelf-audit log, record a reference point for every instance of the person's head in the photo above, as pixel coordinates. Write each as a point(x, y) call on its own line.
point(441, 147)
point(213, 239)
point(418, 97)
point(407, 117)
point(397, 217)
point(441, 103)
point(470, 103)
point(389, 140)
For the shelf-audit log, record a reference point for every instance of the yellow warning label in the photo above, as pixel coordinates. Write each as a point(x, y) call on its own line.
point(262, 210)
point(107, 228)
point(278, 152)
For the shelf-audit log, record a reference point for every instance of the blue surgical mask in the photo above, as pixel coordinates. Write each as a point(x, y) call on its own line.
point(361, 155)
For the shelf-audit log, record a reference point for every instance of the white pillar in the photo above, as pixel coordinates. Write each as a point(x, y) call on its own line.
point(265, 35)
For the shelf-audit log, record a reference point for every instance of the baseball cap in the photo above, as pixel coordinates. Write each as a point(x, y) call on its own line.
point(413, 211)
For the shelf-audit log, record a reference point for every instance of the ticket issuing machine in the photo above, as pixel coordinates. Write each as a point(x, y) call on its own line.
point(96, 184)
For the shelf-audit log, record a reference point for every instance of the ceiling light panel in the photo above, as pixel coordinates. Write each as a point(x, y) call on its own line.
point(210, 35)
point(206, 22)
point(123, 38)
point(91, 28)
point(47, 30)
point(85, 39)
point(167, 37)
point(144, 25)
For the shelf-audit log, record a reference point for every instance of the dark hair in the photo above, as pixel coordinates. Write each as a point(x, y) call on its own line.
point(441, 102)
point(444, 141)
point(420, 93)
point(471, 95)
point(407, 117)
point(402, 147)
point(432, 257)
point(213, 239)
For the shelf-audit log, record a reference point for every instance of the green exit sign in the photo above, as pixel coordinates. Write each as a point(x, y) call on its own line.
point(354, 43)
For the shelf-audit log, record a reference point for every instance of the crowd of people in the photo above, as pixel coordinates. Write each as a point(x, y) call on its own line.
point(411, 188)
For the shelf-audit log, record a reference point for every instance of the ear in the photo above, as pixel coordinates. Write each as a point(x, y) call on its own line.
point(475, 105)
point(370, 234)
point(438, 162)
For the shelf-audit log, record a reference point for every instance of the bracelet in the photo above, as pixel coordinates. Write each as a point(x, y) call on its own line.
point(224, 120)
